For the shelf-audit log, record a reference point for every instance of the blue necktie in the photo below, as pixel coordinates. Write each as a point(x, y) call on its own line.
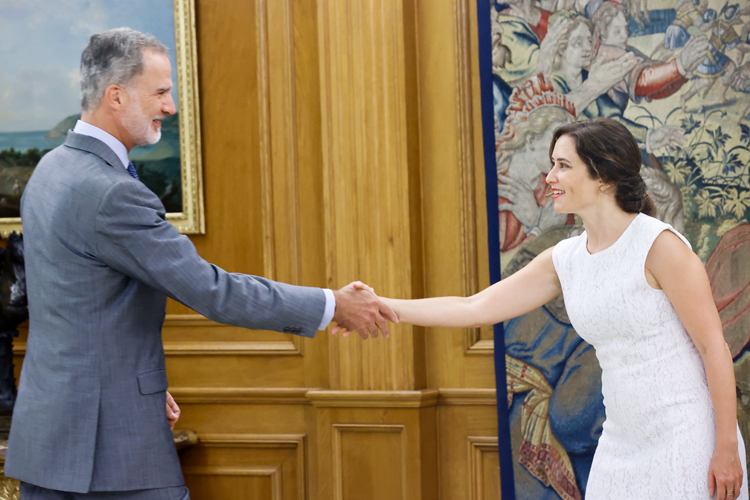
point(131, 171)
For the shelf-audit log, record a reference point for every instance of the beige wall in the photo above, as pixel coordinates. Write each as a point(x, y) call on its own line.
point(341, 141)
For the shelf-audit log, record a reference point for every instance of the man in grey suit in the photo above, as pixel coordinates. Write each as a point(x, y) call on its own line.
point(101, 260)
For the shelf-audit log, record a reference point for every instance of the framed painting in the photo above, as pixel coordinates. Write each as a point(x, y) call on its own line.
point(676, 74)
point(40, 49)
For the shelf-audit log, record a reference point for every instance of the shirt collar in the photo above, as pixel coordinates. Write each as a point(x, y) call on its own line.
point(119, 148)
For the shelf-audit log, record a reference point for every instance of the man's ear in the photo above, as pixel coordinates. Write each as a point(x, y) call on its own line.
point(114, 96)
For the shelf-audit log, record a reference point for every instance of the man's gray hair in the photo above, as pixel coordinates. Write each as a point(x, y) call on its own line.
point(113, 57)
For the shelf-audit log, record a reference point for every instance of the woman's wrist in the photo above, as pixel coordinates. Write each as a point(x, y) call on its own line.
point(727, 443)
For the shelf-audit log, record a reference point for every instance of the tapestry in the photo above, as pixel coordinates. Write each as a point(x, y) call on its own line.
point(676, 74)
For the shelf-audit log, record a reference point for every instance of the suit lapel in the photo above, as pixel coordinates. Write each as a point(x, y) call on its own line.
point(94, 146)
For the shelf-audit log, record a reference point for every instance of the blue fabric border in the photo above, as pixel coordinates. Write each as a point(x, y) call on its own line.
point(484, 29)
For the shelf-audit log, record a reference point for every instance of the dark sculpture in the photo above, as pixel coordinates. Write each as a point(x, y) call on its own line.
point(13, 311)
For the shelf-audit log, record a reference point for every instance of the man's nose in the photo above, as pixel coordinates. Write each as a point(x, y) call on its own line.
point(168, 107)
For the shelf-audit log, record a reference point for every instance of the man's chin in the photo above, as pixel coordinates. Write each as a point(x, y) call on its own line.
point(150, 139)
point(155, 137)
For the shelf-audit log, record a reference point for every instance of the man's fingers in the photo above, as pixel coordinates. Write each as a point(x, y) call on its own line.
point(358, 285)
point(336, 329)
point(363, 334)
point(383, 326)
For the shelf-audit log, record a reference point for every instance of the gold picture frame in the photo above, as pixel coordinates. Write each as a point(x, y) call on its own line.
point(191, 220)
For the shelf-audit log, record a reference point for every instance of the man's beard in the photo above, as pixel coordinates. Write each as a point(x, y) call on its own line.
point(138, 124)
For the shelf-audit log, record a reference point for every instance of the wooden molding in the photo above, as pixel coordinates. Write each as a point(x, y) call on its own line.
point(467, 164)
point(189, 320)
point(478, 446)
point(467, 397)
point(469, 271)
point(234, 395)
point(261, 348)
point(254, 441)
point(373, 399)
point(195, 470)
point(336, 399)
point(476, 345)
point(294, 346)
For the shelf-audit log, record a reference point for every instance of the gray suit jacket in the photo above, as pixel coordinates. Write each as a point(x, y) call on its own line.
point(100, 262)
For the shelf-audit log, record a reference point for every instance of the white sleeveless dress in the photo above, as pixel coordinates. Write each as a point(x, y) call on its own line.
point(658, 437)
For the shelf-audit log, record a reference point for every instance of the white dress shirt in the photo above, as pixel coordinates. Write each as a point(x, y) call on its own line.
point(121, 151)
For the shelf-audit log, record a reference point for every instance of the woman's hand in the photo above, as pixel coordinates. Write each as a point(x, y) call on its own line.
point(725, 473)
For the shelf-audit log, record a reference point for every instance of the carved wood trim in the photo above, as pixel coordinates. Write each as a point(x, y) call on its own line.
point(473, 343)
point(233, 395)
point(477, 447)
point(295, 442)
point(207, 348)
point(274, 473)
point(294, 346)
point(373, 399)
point(467, 397)
point(266, 167)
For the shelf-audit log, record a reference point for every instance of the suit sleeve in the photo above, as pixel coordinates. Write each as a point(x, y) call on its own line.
point(134, 238)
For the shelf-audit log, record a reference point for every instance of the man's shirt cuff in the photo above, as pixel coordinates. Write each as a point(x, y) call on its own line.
point(329, 310)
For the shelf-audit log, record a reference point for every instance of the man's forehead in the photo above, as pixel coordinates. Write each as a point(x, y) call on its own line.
point(156, 69)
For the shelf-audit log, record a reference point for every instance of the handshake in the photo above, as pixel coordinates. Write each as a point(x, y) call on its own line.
point(359, 310)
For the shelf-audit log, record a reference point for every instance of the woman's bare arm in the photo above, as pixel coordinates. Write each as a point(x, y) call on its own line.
point(680, 273)
point(531, 287)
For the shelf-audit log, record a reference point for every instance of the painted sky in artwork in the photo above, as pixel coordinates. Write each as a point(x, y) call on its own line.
point(40, 48)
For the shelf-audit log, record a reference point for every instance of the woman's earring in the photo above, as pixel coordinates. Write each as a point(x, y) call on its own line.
point(602, 188)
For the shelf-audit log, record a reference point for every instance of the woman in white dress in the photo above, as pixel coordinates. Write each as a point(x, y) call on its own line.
point(635, 290)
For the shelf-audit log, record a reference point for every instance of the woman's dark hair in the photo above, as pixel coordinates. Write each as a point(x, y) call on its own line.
point(612, 155)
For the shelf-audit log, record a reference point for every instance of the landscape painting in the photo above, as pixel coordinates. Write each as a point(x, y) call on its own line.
point(40, 48)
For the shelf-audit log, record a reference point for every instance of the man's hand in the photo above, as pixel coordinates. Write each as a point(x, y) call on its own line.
point(173, 411)
point(359, 310)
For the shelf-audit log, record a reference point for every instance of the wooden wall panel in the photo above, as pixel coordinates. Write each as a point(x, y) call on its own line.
point(340, 142)
point(455, 226)
point(375, 439)
point(468, 458)
point(484, 470)
point(370, 152)
point(360, 449)
point(246, 466)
